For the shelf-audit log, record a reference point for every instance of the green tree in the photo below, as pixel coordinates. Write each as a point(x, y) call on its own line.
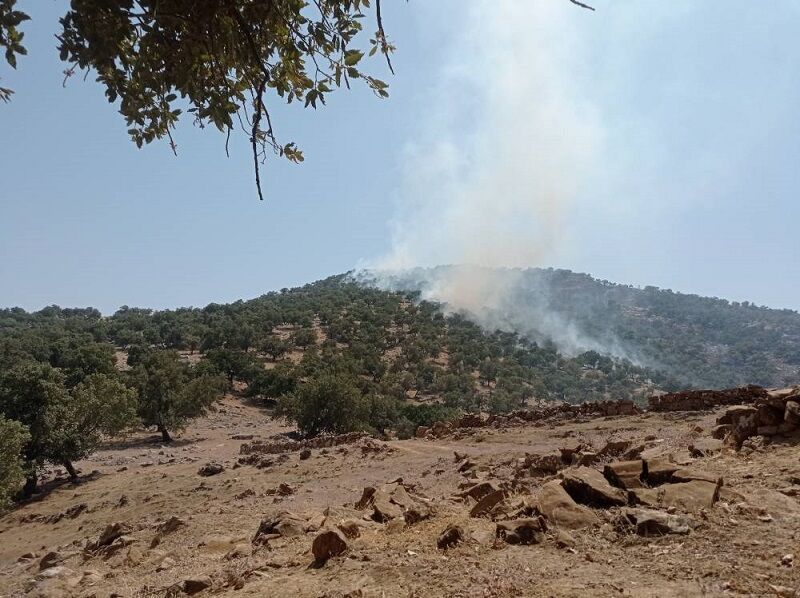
point(274, 347)
point(169, 396)
point(304, 337)
point(64, 425)
point(13, 438)
point(327, 403)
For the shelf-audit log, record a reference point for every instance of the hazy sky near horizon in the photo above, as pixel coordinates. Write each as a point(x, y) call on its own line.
point(643, 143)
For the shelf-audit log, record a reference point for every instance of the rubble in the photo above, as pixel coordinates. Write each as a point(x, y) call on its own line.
point(699, 400)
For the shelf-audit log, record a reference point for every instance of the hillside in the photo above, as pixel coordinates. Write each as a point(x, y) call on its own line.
point(410, 363)
point(697, 341)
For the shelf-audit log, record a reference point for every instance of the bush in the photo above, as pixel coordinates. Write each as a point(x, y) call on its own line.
point(328, 403)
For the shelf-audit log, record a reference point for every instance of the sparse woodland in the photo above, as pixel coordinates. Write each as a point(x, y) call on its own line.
point(335, 356)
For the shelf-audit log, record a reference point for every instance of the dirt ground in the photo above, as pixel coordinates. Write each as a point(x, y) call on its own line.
point(748, 543)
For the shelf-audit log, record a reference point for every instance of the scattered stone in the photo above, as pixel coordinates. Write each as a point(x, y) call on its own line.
point(284, 489)
point(704, 447)
point(328, 544)
point(625, 474)
point(563, 539)
point(210, 469)
point(649, 522)
point(659, 471)
point(283, 523)
point(451, 536)
point(478, 491)
point(522, 531)
point(350, 528)
point(51, 559)
point(486, 503)
point(560, 510)
point(689, 496)
point(305, 454)
point(170, 525)
point(588, 486)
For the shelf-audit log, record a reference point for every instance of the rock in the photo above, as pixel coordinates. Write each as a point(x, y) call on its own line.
point(283, 523)
point(769, 415)
point(28, 556)
point(569, 452)
point(350, 528)
point(58, 572)
point(625, 474)
point(210, 469)
point(478, 491)
point(486, 503)
point(193, 585)
point(659, 471)
point(560, 510)
point(588, 486)
point(645, 496)
point(165, 564)
point(691, 474)
point(109, 535)
point(689, 496)
point(417, 513)
point(451, 536)
point(305, 454)
point(733, 415)
point(284, 489)
point(328, 544)
point(422, 431)
point(51, 559)
point(783, 591)
point(563, 539)
point(721, 431)
point(522, 531)
point(614, 448)
point(792, 413)
point(170, 525)
point(383, 509)
point(704, 447)
point(648, 522)
point(544, 464)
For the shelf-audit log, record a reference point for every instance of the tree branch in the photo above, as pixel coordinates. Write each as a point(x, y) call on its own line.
point(581, 4)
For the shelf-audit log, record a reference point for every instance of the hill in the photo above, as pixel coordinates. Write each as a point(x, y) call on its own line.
point(696, 341)
point(406, 361)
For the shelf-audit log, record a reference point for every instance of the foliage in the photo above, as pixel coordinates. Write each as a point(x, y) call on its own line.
point(169, 393)
point(13, 438)
point(219, 62)
point(328, 403)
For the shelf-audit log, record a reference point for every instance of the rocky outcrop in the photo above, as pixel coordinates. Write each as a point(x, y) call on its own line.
point(778, 412)
point(699, 400)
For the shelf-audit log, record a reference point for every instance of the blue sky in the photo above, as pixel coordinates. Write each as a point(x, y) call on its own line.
point(645, 143)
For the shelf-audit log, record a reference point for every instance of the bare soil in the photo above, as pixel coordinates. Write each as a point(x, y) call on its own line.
point(743, 545)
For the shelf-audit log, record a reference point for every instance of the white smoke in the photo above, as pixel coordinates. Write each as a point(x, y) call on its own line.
point(509, 139)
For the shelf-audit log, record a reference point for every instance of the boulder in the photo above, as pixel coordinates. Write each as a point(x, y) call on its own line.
point(588, 486)
point(283, 523)
point(560, 510)
point(451, 536)
point(478, 491)
point(522, 531)
point(735, 414)
point(383, 509)
point(625, 474)
point(305, 454)
point(51, 559)
point(210, 469)
point(689, 496)
point(422, 431)
point(648, 522)
point(690, 474)
point(486, 503)
point(350, 528)
point(791, 414)
point(170, 525)
point(613, 448)
point(328, 544)
point(721, 431)
point(769, 415)
point(659, 471)
point(644, 496)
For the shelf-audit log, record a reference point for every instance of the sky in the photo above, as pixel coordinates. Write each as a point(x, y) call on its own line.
point(644, 143)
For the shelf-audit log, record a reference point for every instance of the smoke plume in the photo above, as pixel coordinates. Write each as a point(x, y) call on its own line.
point(505, 150)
